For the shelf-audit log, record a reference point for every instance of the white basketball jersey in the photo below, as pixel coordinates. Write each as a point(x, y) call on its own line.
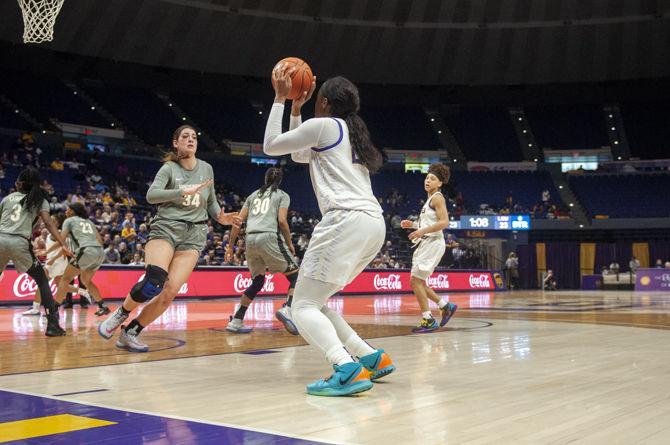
point(49, 243)
point(428, 217)
point(340, 181)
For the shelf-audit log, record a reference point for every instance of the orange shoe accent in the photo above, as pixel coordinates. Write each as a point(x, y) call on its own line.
point(385, 361)
point(363, 375)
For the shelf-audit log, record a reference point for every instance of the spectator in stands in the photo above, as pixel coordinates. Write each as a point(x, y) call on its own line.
point(47, 187)
point(143, 234)
point(667, 264)
point(137, 260)
point(634, 265)
point(395, 222)
point(512, 269)
point(509, 200)
point(549, 282)
point(57, 165)
point(112, 255)
point(125, 255)
point(659, 264)
point(129, 236)
point(546, 197)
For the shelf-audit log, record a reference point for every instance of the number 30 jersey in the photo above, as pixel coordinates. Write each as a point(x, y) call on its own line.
point(165, 191)
point(15, 219)
point(264, 210)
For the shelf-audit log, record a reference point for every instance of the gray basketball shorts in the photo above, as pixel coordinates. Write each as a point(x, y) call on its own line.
point(18, 250)
point(269, 251)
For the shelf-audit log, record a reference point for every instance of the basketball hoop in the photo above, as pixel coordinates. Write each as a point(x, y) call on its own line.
point(39, 17)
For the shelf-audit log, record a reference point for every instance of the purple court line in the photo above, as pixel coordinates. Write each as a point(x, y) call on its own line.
point(132, 427)
point(79, 392)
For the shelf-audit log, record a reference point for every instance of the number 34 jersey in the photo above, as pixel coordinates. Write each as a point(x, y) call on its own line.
point(15, 218)
point(264, 209)
point(166, 192)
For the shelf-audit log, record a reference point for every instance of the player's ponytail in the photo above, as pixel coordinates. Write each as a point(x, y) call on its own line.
point(273, 177)
point(30, 183)
point(79, 209)
point(345, 103)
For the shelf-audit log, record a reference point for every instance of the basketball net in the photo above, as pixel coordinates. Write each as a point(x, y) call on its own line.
point(39, 17)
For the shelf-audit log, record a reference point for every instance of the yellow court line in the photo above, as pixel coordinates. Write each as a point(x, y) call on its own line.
point(46, 426)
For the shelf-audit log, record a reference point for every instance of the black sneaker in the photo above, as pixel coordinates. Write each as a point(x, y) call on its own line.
point(102, 311)
point(53, 328)
point(83, 302)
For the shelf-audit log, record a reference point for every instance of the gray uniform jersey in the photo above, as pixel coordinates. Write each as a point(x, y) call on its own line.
point(165, 191)
point(82, 232)
point(264, 209)
point(16, 219)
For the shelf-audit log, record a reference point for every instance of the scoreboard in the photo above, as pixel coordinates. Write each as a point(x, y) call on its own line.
point(492, 222)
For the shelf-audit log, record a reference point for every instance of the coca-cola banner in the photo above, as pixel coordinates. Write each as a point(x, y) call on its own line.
point(218, 281)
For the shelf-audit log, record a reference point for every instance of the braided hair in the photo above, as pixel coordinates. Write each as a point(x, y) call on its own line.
point(273, 177)
point(30, 183)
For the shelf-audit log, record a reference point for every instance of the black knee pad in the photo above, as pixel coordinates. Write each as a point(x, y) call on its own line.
point(149, 286)
point(256, 285)
point(292, 279)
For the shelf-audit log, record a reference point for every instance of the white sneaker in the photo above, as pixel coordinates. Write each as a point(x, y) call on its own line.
point(110, 324)
point(130, 342)
point(236, 325)
point(284, 315)
point(84, 293)
point(35, 310)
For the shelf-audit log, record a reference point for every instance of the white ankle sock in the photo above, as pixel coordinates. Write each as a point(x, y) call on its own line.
point(337, 355)
point(442, 303)
point(427, 315)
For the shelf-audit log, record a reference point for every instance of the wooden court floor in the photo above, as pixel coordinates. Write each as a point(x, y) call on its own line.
point(517, 367)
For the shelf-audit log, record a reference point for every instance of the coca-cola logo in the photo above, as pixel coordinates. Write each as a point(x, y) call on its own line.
point(389, 282)
point(439, 281)
point(183, 290)
point(24, 286)
point(481, 281)
point(241, 283)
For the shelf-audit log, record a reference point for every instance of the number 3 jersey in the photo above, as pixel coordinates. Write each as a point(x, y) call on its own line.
point(264, 209)
point(165, 191)
point(15, 219)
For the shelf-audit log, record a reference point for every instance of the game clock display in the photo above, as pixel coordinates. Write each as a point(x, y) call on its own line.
point(495, 222)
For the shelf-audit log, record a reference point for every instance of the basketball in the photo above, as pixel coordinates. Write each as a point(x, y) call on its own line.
point(301, 79)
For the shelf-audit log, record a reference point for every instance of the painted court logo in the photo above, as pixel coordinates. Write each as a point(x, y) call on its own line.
point(24, 286)
point(240, 283)
point(390, 282)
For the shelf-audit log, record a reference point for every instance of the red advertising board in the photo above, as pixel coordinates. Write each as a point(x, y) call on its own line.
point(220, 281)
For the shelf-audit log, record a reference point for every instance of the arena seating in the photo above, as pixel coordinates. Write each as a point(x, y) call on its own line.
point(46, 98)
point(647, 129)
point(483, 133)
point(568, 126)
point(623, 196)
